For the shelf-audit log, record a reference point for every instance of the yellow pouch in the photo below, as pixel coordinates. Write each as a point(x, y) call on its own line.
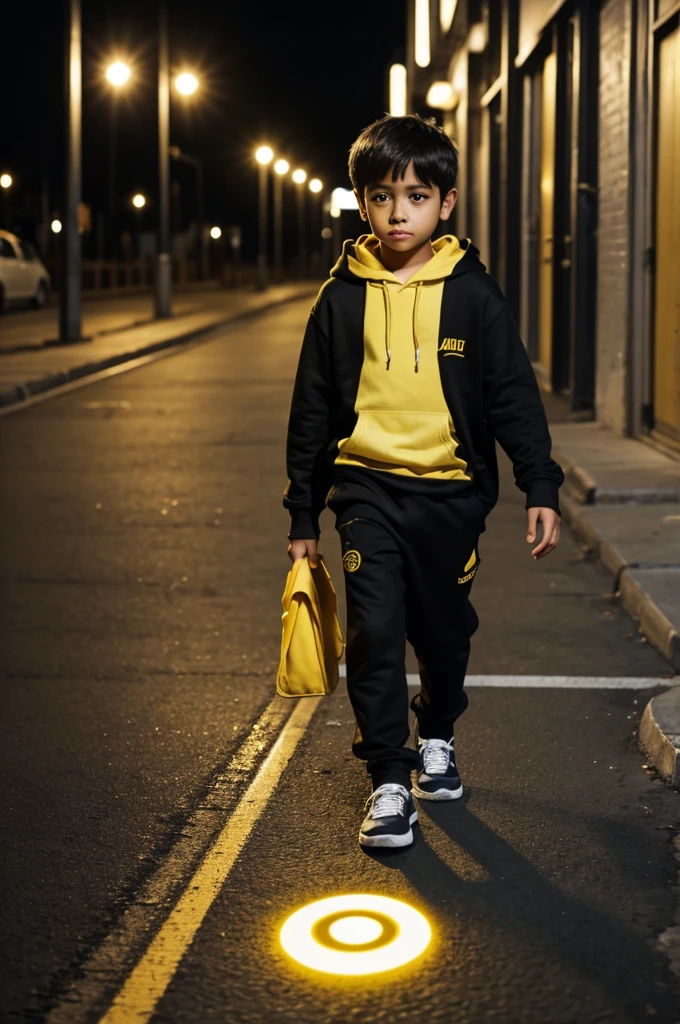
point(311, 641)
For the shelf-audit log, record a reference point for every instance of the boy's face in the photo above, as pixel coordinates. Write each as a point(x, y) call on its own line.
point(403, 214)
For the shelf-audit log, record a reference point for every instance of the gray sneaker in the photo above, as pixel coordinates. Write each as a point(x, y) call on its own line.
point(437, 775)
point(390, 814)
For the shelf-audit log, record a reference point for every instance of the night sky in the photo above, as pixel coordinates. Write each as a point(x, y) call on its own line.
point(305, 77)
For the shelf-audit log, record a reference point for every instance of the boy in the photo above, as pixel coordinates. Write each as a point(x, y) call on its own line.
point(411, 367)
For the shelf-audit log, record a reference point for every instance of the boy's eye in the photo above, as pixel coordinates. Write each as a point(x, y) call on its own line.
point(418, 195)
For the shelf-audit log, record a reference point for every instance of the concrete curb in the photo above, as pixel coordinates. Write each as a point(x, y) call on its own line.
point(659, 734)
point(637, 602)
point(20, 392)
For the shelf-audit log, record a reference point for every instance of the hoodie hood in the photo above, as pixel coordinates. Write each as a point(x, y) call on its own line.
point(359, 261)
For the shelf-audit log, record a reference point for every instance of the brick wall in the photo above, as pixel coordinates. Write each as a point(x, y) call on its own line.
point(613, 229)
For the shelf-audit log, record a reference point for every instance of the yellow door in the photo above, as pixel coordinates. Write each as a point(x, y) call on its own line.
point(667, 277)
point(547, 197)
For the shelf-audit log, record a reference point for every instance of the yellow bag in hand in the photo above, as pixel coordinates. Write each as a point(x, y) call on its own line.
point(311, 642)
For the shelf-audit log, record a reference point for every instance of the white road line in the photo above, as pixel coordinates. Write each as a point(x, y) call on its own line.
point(145, 986)
point(560, 682)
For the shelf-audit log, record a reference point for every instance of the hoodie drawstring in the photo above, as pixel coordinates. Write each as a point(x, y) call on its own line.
point(419, 285)
point(388, 323)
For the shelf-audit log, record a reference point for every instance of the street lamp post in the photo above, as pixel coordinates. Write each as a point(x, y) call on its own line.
point(70, 285)
point(197, 164)
point(316, 188)
point(117, 74)
point(5, 185)
point(281, 167)
point(264, 156)
point(163, 260)
point(300, 177)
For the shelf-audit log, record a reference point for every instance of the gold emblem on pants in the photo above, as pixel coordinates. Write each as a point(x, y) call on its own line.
point(472, 565)
point(351, 560)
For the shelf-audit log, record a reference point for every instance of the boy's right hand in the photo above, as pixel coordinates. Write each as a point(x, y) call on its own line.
point(300, 548)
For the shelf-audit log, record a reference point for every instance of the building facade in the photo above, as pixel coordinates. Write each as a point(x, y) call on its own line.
point(566, 114)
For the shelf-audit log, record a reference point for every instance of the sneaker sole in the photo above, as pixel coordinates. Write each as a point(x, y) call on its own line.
point(390, 841)
point(438, 794)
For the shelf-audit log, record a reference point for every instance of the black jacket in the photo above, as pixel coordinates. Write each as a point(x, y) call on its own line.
point(492, 394)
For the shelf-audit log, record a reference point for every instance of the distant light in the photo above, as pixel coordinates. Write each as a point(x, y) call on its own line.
point(343, 199)
point(264, 155)
point(5, 180)
point(447, 10)
point(299, 176)
point(315, 185)
point(397, 90)
point(422, 47)
point(282, 167)
point(216, 232)
point(139, 201)
point(327, 232)
point(335, 212)
point(476, 40)
point(357, 934)
point(186, 83)
point(118, 73)
point(442, 96)
point(56, 226)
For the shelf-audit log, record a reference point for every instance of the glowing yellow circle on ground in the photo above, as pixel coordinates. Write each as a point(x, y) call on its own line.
point(355, 934)
point(355, 930)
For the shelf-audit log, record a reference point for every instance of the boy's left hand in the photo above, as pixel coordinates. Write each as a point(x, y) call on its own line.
point(550, 521)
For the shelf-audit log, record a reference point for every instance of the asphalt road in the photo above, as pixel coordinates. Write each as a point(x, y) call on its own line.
point(143, 557)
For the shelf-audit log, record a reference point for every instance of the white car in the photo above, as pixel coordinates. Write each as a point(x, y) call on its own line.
point(23, 275)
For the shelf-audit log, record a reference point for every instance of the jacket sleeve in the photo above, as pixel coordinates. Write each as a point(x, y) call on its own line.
point(514, 409)
point(309, 434)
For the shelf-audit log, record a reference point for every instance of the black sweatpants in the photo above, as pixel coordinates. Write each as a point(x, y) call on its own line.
point(409, 561)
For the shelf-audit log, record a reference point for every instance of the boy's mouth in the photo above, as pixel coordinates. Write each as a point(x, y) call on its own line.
point(399, 234)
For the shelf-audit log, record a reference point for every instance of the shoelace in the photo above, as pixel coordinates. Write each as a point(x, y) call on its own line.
point(435, 756)
point(387, 800)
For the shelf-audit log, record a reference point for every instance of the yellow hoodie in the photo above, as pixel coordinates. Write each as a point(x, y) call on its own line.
point(404, 425)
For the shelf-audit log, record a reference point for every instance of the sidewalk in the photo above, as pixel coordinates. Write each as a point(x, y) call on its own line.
point(622, 501)
point(119, 330)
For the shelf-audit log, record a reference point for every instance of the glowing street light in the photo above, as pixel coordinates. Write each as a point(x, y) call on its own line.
point(315, 185)
point(56, 226)
point(281, 167)
point(139, 201)
point(118, 73)
point(186, 83)
point(299, 176)
point(216, 232)
point(264, 155)
point(5, 180)
point(422, 26)
point(397, 90)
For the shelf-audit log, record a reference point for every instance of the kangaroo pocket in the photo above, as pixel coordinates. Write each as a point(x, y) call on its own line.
point(419, 441)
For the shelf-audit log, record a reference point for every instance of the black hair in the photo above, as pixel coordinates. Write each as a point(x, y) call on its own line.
point(394, 142)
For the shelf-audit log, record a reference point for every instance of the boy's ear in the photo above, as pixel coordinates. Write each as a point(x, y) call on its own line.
point(362, 208)
point(448, 204)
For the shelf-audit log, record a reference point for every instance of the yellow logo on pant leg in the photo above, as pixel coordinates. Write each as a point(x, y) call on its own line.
point(470, 569)
point(351, 560)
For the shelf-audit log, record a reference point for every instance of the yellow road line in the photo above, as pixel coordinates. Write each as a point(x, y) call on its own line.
point(145, 986)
